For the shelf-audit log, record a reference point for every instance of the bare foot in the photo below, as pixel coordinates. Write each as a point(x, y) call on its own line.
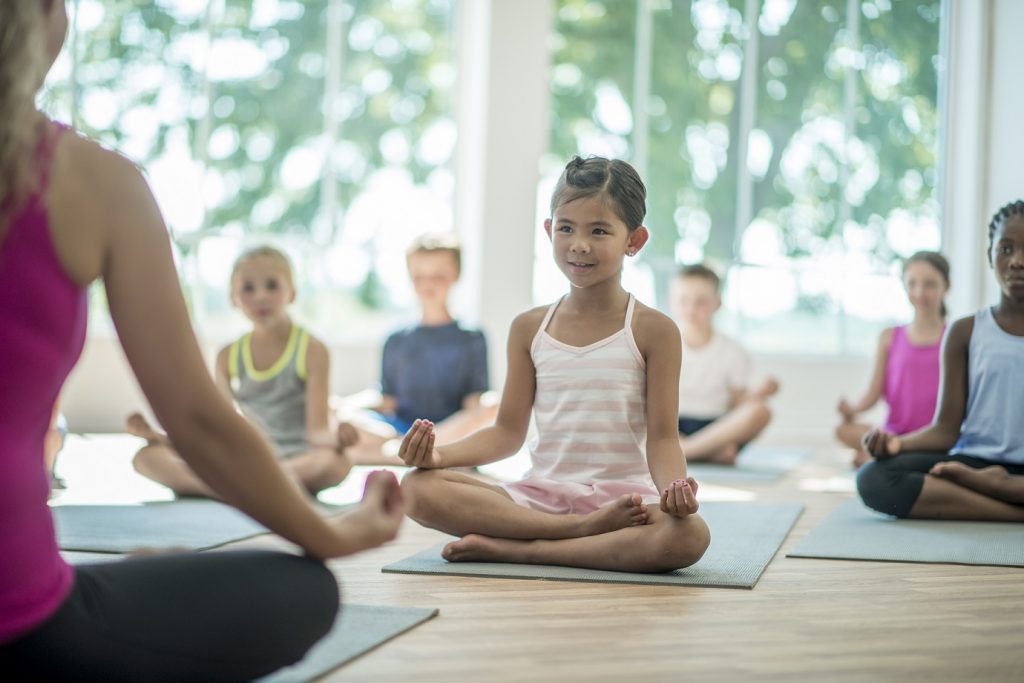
point(727, 455)
point(993, 481)
point(860, 458)
point(628, 510)
point(477, 548)
point(136, 425)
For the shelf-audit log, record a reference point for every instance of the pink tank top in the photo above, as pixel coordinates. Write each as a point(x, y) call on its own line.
point(911, 383)
point(42, 330)
point(590, 408)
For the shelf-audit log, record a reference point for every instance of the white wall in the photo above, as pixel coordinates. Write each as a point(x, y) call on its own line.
point(1005, 122)
point(102, 390)
point(503, 133)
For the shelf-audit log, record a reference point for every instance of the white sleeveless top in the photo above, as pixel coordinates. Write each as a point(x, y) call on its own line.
point(590, 408)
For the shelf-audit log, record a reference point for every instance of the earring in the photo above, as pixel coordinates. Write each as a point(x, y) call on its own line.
point(631, 252)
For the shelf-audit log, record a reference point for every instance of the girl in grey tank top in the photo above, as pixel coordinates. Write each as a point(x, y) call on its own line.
point(274, 399)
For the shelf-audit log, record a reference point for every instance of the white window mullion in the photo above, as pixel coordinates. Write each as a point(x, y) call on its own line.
point(748, 112)
point(326, 230)
point(849, 130)
point(642, 55)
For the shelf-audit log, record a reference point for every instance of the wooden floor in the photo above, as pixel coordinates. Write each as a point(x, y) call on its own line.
point(813, 620)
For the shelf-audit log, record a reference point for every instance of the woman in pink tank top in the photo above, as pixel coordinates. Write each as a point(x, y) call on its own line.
point(906, 370)
point(600, 373)
point(70, 213)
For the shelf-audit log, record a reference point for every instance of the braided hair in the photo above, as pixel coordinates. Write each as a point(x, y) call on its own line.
point(1015, 208)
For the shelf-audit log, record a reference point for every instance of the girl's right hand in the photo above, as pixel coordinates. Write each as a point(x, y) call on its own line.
point(379, 515)
point(417, 449)
point(881, 444)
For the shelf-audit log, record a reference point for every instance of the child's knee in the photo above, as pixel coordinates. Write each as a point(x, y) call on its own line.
point(417, 487)
point(688, 541)
point(761, 413)
point(143, 461)
point(840, 433)
point(885, 489)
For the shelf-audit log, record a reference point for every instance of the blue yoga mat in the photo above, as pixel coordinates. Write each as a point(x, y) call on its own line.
point(755, 465)
point(744, 539)
point(193, 524)
point(358, 629)
point(853, 532)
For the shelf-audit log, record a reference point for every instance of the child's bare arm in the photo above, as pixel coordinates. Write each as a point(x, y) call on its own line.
point(318, 371)
point(221, 372)
point(658, 340)
point(877, 385)
point(943, 432)
point(508, 433)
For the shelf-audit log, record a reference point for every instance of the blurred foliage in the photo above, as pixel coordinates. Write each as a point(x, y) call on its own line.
point(800, 103)
point(146, 86)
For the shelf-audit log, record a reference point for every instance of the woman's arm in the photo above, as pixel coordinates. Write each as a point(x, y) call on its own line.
point(658, 340)
point(508, 433)
point(877, 385)
point(942, 434)
point(114, 206)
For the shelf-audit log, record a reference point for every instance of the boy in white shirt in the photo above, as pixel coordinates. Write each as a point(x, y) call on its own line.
point(718, 412)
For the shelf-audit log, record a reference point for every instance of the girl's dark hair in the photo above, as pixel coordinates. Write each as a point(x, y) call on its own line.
point(612, 177)
point(1012, 209)
point(936, 261)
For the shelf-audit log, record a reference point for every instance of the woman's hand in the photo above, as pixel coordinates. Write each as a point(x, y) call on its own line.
point(417, 449)
point(379, 515)
point(881, 444)
point(680, 498)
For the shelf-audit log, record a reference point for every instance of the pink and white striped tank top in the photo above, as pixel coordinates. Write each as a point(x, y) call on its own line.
point(590, 408)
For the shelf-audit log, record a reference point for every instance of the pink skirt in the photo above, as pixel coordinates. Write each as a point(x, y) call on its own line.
point(568, 497)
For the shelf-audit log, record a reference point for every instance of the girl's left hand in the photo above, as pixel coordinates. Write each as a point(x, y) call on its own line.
point(680, 498)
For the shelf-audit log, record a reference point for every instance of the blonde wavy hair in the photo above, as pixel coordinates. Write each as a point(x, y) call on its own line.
point(22, 70)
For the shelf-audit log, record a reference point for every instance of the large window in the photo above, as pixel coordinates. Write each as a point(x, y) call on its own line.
point(791, 142)
point(322, 126)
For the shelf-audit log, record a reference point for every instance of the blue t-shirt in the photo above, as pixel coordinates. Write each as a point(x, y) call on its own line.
point(431, 369)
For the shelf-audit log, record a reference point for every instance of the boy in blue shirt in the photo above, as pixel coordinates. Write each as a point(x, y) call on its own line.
point(435, 369)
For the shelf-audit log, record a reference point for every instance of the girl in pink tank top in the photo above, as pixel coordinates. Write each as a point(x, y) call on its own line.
point(600, 374)
point(906, 370)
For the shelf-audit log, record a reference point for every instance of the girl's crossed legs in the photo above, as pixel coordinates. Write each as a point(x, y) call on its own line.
point(316, 469)
point(943, 486)
point(625, 535)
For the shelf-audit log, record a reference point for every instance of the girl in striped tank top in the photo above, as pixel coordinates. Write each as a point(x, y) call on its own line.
point(276, 375)
point(608, 487)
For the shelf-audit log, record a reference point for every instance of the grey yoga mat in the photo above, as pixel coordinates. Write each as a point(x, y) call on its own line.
point(194, 524)
point(853, 532)
point(357, 630)
point(744, 538)
point(756, 464)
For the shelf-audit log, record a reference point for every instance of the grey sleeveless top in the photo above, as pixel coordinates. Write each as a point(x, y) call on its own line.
point(273, 399)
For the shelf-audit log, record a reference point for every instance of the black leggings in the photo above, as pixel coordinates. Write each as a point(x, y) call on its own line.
point(892, 486)
point(217, 616)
